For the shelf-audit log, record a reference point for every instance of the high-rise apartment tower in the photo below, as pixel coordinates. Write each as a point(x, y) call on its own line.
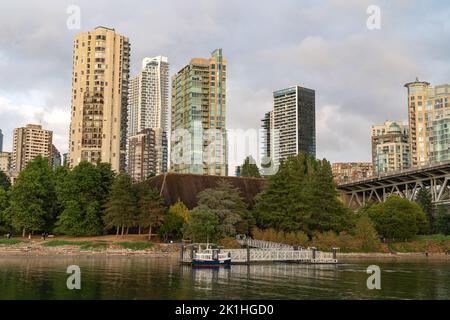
point(427, 106)
point(199, 138)
point(30, 142)
point(294, 123)
point(98, 129)
point(149, 104)
point(390, 147)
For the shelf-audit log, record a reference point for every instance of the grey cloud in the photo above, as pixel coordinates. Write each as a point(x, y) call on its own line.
point(358, 74)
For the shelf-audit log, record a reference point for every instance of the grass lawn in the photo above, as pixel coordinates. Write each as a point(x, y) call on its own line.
point(438, 237)
point(84, 245)
point(61, 243)
point(95, 246)
point(10, 242)
point(135, 245)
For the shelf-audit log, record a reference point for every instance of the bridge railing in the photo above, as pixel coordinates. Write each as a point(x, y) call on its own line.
point(391, 173)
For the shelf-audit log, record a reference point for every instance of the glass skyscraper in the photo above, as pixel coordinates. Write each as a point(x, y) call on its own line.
point(199, 138)
point(294, 123)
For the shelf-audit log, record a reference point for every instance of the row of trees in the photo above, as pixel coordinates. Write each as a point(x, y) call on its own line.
point(301, 198)
point(88, 200)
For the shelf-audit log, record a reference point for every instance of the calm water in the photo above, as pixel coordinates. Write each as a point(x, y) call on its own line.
point(150, 278)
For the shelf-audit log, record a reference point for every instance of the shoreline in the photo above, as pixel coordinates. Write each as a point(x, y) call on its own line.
point(392, 256)
point(36, 248)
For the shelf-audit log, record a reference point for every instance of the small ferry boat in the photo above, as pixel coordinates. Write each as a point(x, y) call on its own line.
point(211, 258)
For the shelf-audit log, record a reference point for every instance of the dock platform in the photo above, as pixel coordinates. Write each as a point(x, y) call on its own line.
point(270, 253)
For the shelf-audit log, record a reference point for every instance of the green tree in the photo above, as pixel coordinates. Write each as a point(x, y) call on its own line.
point(424, 200)
point(151, 212)
point(33, 198)
point(5, 183)
point(180, 209)
point(275, 207)
point(4, 205)
point(81, 194)
point(302, 196)
point(203, 225)
point(4, 199)
point(326, 211)
point(121, 206)
point(172, 227)
point(226, 203)
point(249, 168)
point(366, 232)
point(442, 222)
point(398, 218)
point(60, 174)
point(107, 178)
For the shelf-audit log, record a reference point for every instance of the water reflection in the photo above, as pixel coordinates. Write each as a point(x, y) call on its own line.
point(150, 278)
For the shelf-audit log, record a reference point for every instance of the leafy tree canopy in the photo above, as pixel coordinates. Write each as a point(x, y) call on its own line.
point(424, 200)
point(398, 218)
point(226, 203)
point(150, 208)
point(203, 225)
point(5, 183)
point(82, 193)
point(302, 196)
point(442, 222)
point(180, 209)
point(121, 206)
point(249, 168)
point(32, 198)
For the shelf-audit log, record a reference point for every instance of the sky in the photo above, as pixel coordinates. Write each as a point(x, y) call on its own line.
point(358, 73)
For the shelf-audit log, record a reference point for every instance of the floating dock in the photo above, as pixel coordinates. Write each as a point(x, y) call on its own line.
point(258, 251)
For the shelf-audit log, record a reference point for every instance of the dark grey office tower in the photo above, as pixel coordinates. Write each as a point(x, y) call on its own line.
point(266, 135)
point(294, 122)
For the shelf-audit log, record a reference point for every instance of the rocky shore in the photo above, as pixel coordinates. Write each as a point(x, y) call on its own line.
point(393, 256)
point(38, 249)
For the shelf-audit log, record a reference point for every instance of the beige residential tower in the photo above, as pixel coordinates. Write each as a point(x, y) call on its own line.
point(98, 129)
point(30, 142)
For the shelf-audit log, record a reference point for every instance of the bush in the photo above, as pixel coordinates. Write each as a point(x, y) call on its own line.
point(366, 233)
point(398, 218)
point(344, 241)
point(229, 243)
point(298, 238)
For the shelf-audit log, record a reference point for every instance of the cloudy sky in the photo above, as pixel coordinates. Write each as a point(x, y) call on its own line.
point(358, 74)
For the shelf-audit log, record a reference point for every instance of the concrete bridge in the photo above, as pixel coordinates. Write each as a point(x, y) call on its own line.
point(405, 183)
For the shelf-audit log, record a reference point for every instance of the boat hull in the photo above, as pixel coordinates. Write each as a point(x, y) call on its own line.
point(211, 263)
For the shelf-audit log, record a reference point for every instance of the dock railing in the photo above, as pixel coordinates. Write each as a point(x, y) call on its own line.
point(248, 255)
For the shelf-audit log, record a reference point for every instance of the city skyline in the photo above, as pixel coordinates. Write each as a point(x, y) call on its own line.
point(322, 58)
